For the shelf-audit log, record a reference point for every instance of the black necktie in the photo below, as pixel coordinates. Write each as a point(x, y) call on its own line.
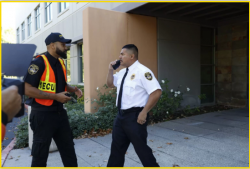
point(120, 92)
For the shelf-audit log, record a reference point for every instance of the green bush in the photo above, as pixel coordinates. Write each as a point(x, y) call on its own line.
point(81, 122)
point(74, 106)
point(103, 119)
point(22, 133)
point(107, 101)
point(169, 102)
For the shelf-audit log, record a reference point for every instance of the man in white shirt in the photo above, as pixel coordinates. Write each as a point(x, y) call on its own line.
point(137, 93)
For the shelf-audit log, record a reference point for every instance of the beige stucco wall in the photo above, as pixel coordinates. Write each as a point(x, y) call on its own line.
point(104, 34)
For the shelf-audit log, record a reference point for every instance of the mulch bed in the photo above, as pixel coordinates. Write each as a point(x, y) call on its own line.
point(192, 112)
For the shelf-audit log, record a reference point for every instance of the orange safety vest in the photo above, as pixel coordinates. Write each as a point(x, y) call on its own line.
point(48, 81)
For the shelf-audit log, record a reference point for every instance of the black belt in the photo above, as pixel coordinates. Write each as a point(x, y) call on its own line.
point(133, 109)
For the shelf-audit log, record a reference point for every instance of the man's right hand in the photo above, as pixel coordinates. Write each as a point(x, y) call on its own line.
point(110, 65)
point(61, 97)
point(11, 101)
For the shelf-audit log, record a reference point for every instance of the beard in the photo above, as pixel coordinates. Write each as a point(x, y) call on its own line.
point(61, 53)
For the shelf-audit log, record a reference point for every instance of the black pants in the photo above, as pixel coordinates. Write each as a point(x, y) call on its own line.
point(47, 125)
point(126, 130)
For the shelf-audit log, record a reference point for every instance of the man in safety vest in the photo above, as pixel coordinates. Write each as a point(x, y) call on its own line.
point(46, 83)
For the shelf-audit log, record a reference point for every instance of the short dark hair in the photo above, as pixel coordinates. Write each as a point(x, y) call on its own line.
point(133, 48)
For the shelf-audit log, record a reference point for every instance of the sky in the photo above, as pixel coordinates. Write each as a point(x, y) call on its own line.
point(8, 15)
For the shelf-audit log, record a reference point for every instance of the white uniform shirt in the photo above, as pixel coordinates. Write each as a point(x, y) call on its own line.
point(139, 83)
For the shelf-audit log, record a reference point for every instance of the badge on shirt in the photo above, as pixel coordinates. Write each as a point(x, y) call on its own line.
point(132, 77)
point(33, 69)
point(148, 76)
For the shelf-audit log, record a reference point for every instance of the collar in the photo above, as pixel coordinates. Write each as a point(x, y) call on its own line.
point(51, 59)
point(133, 66)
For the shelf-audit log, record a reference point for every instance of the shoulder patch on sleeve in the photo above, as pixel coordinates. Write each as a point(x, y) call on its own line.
point(148, 76)
point(33, 69)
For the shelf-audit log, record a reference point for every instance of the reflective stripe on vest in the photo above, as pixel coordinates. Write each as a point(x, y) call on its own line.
point(64, 70)
point(48, 81)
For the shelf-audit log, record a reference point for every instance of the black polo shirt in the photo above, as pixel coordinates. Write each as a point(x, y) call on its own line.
point(33, 78)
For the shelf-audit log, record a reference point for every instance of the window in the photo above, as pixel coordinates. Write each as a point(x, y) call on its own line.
point(207, 64)
point(67, 65)
point(63, 6)
point(81, 65)
point(23, 31)
point(17, 36)
point(37, 18)
point(48, 14)
point(29, 25)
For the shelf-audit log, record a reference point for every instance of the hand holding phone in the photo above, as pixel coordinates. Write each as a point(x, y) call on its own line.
point(118, 62)
point(72, 98)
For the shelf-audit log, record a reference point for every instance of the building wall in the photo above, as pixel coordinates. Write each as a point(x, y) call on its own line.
point(179, 57)
point(68, 23)
point(231, 64)
point(101, 46)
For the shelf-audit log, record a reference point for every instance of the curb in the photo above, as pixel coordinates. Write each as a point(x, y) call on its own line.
point(7, 150)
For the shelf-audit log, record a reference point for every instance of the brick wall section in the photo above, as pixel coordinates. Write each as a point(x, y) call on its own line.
point(231, 65)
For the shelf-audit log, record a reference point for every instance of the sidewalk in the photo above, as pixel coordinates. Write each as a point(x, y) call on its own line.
point(219, 139)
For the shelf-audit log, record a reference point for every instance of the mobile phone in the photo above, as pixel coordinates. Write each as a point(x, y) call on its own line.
point(72, 98)
point(118, 62)
point(67, 94)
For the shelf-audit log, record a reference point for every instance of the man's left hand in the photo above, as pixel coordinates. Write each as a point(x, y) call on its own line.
point(142, 118)
point(78, 92)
